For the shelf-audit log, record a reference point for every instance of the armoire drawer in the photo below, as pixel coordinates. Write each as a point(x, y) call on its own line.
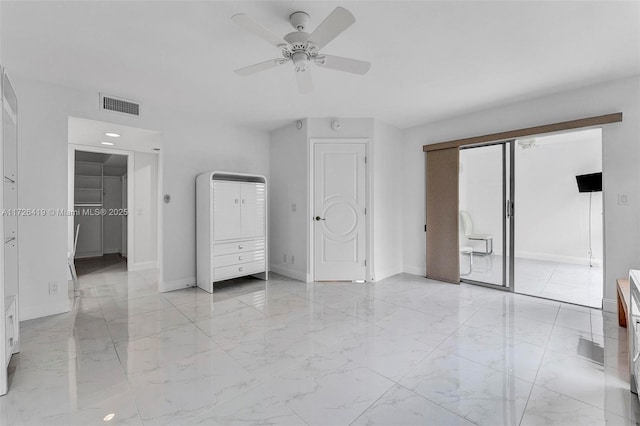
point(238, 258)
point(238, 247)
point(225, 272)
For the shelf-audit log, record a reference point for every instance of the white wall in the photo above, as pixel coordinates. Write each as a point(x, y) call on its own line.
point(145, 217)
point(552, 217)
point(387, 200)
point(621, 156)
point(290, 183)
point(112, 243)
point(191, 145)
point(288, 186)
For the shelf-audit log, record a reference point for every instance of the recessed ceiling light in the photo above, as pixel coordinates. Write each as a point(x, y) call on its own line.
point(112, 135)
point(107, 143)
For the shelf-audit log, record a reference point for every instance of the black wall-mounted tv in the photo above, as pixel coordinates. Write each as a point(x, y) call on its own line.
point(590, 183)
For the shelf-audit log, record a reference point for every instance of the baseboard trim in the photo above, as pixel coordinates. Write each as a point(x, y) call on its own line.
point(291, 273)
point(44, 310)
point(180, 284)
point(610, 305)
point(141, 266)
point(387, 273)
point(558, 258)
point(415, 270)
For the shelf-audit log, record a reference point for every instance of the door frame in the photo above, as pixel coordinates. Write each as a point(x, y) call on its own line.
point(130, 195)
point(368, 202)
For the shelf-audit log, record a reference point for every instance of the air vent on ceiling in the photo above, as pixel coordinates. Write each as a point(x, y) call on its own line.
point(124, 106)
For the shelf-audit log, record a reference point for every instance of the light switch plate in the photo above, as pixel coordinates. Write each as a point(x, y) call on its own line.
point(623, 199)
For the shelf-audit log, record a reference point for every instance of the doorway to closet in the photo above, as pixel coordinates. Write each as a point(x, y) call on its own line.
point(100, 210)
point(531, 218)
point(114, 173)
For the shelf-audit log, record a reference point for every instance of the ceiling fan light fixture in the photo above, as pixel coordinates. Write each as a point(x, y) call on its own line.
point(300, 61)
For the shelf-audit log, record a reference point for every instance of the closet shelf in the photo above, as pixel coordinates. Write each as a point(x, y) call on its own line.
point(88, 204)
point(88, 189)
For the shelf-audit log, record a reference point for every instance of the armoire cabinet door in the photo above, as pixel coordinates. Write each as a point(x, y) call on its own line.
point(226, 210)
point(252, 210)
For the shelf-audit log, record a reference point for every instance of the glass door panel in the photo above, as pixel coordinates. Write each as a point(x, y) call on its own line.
point(485, 215)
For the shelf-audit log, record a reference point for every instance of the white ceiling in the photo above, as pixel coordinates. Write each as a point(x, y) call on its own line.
point(431, 60)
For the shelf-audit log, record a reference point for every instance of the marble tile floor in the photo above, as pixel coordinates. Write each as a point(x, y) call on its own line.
point(565, 282)
point(401, 351)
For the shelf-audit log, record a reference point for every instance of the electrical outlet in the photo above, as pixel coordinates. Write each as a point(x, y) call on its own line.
point(53, 287)
point(293, 260)
point(294, 207)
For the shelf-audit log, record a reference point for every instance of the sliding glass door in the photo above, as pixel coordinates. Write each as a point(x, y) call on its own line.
point(486, 214)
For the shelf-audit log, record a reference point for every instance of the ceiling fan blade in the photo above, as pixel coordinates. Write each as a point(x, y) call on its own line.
point(262, 66)
point(339, 63)
point(257, 29)
point(305, 84)
point(334, 24)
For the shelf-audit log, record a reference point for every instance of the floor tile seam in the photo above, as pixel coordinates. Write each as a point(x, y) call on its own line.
point(44, 364)
point(535, 379)
point(123, 298)
point(585, 402)
point(577, 330)
point(135, 316)
point(211, 410)
point(435, 403)
point(399, 305)
point(256, 309)
point(120, 299)
point(486, 366)
point(485, 327)
point(152, 334)
point(391, 386)
point(438, 404)
point(395, 384)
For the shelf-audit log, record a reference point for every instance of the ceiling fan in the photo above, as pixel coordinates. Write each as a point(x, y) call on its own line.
point(302, 48)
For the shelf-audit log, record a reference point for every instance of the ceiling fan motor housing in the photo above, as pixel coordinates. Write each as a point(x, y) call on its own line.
point(297, 40)
point(299, 20)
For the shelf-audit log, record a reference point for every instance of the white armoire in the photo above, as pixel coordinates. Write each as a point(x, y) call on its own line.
point(9, 322)
point(231, 227)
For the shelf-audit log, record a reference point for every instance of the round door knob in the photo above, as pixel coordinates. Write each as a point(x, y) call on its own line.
point(318, 218)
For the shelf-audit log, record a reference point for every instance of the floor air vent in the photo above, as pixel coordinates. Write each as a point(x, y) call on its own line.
point(123, 106)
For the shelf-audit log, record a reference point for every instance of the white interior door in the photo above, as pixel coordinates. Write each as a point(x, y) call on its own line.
point(252, 210)
point(339, 211)
point(226, 210)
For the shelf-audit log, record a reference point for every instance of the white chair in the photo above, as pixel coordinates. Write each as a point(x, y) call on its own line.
point(467, 225)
